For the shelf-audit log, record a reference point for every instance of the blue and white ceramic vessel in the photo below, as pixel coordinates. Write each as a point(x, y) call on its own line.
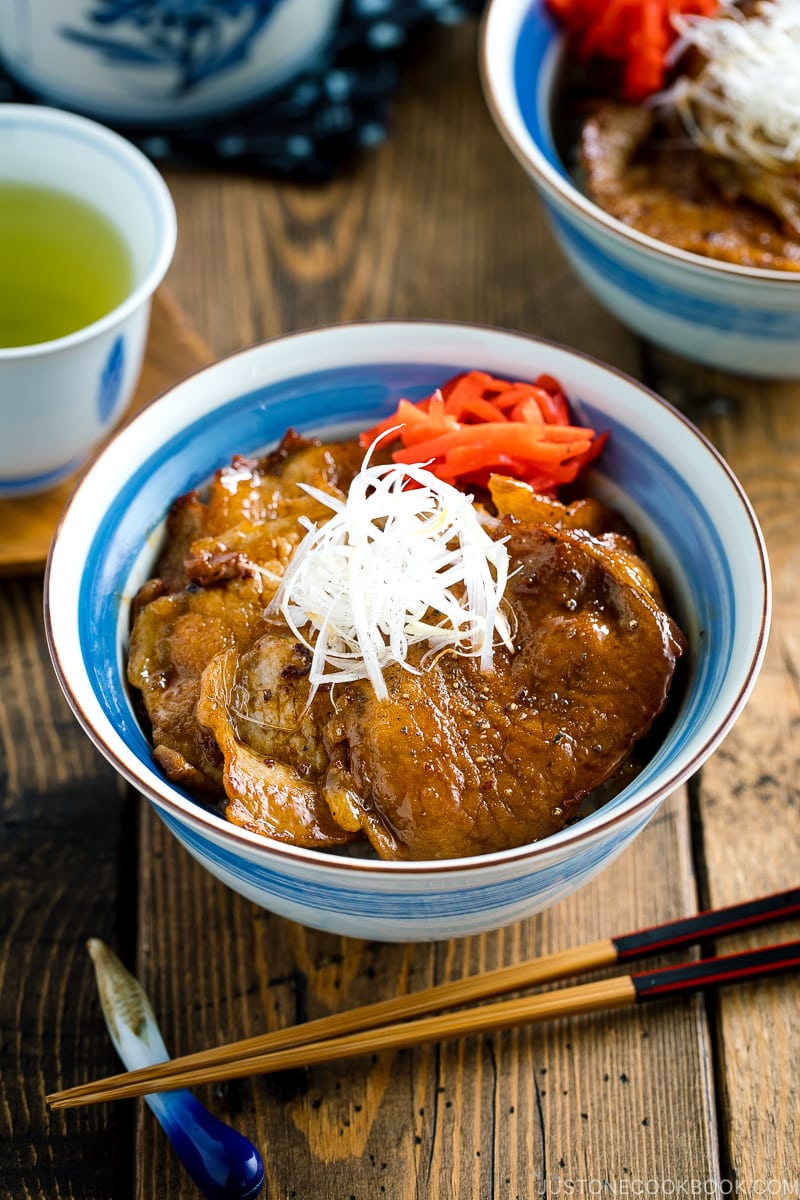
point(695, 520)
point(739, 319)
point(159, 62)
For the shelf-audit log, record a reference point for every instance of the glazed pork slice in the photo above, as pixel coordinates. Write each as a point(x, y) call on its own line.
point(224, 554)
point(173, 639)
point(254, 508)
point(675, 193)
point(458, 761)
point(276, 766)
point(247, 520)
point(462, 762)
point(777, 191)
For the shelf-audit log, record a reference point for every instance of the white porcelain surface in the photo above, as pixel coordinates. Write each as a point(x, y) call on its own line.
point(691, 513)
point(59, 398)
point(158, 62)
point(740, 319)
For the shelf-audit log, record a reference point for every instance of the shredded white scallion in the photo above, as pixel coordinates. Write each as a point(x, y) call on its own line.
point(404, 560)
point(745, 102)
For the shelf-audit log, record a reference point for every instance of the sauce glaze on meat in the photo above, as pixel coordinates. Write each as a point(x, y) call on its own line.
point(650, 177)
point(457, 761)
point(638, 163)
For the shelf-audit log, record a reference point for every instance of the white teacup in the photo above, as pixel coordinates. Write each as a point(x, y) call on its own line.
point(59, 397)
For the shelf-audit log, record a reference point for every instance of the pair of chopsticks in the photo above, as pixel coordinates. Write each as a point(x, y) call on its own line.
point(366, 1031)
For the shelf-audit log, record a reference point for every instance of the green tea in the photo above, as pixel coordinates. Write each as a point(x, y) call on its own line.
point(63, 264)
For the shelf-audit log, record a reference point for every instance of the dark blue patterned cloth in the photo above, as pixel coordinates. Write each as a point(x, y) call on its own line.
point(318, 122)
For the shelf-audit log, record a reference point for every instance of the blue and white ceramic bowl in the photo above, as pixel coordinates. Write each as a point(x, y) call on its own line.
point(695, 521)
point(158, 62)
point(739, 319)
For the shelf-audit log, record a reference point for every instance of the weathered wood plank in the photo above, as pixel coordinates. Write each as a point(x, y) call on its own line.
point(748, 796)
point(63, 877)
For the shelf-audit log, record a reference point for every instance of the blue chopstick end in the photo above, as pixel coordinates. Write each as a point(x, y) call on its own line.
point(223, 1164)
point(250, 1182)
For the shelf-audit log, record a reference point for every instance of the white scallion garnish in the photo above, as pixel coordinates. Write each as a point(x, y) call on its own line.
point(745, 102)
point(404, 560)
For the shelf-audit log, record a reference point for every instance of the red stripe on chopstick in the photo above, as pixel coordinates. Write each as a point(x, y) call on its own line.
point(711, 923)
point(714, 972)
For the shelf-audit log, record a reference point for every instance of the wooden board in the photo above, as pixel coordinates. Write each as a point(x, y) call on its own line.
point(174, 351)
point(747, 796)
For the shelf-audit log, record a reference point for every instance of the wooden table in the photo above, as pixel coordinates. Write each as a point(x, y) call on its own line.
point(695, 1098)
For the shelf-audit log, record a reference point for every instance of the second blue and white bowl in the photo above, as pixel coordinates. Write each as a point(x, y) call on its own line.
point(694, 520)
point(740, 319)
point(155, 63)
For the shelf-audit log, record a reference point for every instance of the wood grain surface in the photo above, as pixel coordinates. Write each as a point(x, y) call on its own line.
point(686, 1098)
point(748, 796)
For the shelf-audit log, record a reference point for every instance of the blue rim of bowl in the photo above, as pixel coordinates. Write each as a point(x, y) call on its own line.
point(143, 174)
point(536, 28)
point(581, 831)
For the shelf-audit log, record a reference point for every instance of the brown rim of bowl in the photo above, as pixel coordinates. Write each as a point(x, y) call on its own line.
point(565, 837)
point(560, 186)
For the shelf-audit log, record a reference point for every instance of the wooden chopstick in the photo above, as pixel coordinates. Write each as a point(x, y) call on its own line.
point(246, 1056)
point(620, 991)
